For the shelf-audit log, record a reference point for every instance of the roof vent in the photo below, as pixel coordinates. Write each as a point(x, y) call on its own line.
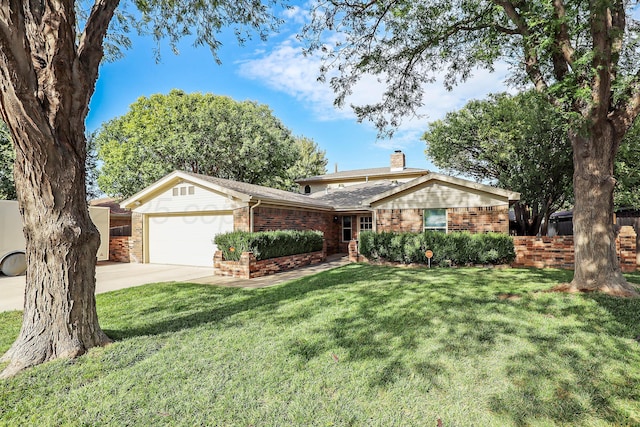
point(397, 161)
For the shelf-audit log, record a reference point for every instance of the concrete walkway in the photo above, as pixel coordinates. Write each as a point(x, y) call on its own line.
point(111, 276)
point(332, 261)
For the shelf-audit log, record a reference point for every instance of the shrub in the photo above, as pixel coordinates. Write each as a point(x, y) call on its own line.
point(268, 244)
point(233, 244)
point(448, 249)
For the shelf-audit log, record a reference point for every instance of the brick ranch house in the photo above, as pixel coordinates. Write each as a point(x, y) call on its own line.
point(175, 219)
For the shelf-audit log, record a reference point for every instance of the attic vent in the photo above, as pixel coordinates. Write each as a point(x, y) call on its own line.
point(183, 190)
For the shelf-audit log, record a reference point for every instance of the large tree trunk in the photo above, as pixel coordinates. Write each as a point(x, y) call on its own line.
point(60, 318)
point(47, 76)
point(596, 264)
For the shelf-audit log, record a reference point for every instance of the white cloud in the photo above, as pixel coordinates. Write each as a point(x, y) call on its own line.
point(286, 69)
point(296, 15)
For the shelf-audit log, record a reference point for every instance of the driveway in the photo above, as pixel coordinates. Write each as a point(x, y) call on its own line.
point(109, 277)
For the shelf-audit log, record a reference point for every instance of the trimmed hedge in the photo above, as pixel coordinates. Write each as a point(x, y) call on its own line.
point(459, 248)
point(268, 244)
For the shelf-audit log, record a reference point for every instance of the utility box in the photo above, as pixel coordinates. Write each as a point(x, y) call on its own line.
point(13, 245)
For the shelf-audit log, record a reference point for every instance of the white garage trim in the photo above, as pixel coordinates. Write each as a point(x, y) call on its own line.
point(184, 239)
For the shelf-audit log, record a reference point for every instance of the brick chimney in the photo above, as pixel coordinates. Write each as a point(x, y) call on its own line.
point(397, 161)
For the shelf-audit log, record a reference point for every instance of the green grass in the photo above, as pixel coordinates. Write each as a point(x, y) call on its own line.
point(360, 345)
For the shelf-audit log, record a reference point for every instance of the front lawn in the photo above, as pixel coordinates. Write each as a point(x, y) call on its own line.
point(356, 346)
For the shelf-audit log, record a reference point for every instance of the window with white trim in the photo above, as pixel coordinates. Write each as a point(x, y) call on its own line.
point(435, 220)
point(366, 223)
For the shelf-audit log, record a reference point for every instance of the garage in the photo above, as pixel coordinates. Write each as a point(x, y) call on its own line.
point(174, 220)
point(185, 239)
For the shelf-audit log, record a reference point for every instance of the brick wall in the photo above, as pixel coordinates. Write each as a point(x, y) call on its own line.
point(479, 220)
point(473, 220)
point(119, 221)
point(135, 244)
point(248, 267)
point(269, 218)
point(120, 248)
point(399, 220)
point(557, 251)
point(626, 246)
point(544, 252)
point(241, 219)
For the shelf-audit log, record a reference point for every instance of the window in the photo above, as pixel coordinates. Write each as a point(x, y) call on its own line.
point(307, 189)
point(366, 223)
point(435, 219)
point(346, 228)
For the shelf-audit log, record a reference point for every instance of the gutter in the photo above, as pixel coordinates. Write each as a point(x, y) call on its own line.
point(251, 215)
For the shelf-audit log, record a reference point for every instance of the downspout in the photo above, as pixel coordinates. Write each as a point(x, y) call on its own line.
point(251, 215)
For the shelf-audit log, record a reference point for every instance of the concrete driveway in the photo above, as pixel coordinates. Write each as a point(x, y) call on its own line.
point(109, 277)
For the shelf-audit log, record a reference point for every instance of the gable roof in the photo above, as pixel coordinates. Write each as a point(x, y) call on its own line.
point(238, 190)
point(352, 197)
point(432, 176)
point(362, 173)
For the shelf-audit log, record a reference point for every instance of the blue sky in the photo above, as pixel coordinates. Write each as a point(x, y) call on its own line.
point(276, 73)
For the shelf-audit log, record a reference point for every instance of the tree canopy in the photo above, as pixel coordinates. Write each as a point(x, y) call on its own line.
point(582, 56)
point(515, 142)
point(520, 142)
point(201, 133)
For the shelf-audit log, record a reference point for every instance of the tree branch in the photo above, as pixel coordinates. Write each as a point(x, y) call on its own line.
point(17, 67)
point(562, 54)
point(562, 40)
point(601, 34)
point(532, 65)
point(624, 115)
point(90, 48)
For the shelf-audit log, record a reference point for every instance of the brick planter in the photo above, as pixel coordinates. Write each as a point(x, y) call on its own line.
point(248, 267)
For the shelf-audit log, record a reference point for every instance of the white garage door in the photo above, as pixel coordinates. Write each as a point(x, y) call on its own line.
point(185, 240)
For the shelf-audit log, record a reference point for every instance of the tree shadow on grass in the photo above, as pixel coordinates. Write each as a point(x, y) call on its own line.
point(569, 353)
point(584, 365)
point(179, 306)
point(569, 356)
